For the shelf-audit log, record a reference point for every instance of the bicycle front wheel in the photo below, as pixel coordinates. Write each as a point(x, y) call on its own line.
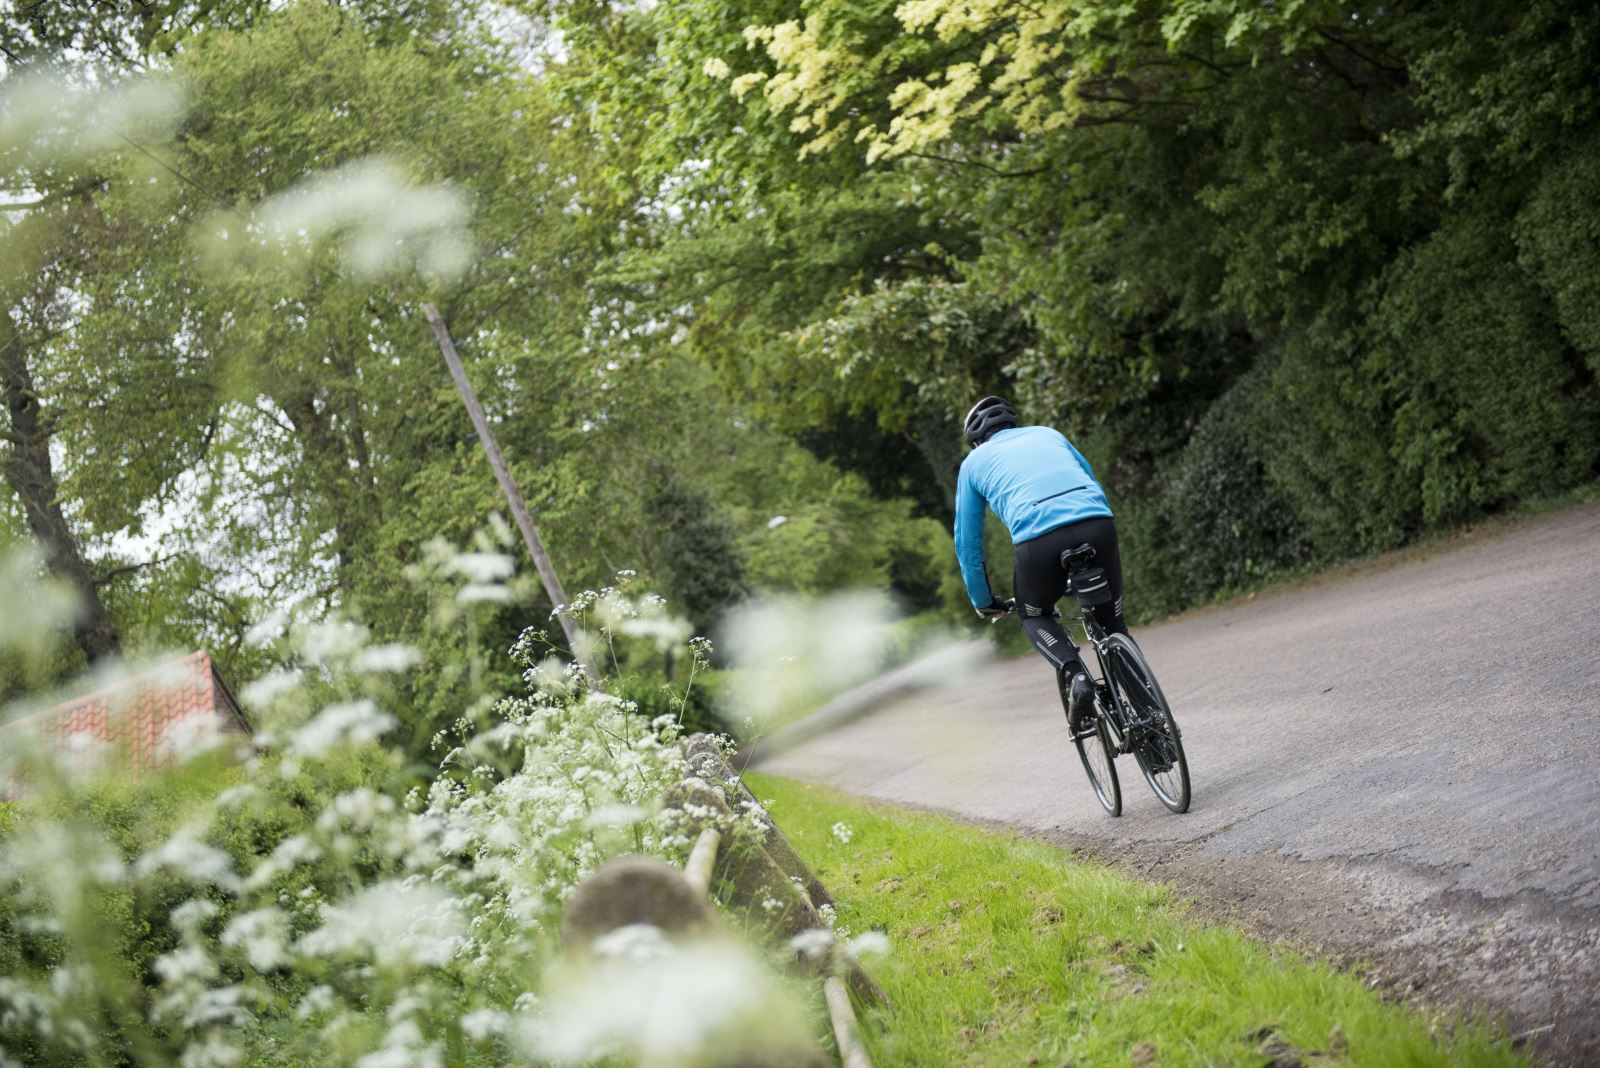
point(1097, 752)
point(1153, 733)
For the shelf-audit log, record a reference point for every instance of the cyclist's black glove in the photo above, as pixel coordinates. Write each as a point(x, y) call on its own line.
point(994, 611)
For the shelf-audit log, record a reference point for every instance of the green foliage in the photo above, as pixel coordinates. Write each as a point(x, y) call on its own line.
point(700, 565)
point(1232, 525)
point(1212, 519)
point(1328, 449)
point(279, 412)
point(1505, 90)
point(118, 33)
point(1302, 280)
point(1454, 394)
point(1491, 404)
point(698, 710)
point(809, 529)
point(1287, 274)
point(1558, 235)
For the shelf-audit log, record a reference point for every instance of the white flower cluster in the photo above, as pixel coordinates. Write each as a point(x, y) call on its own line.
point(390, 928)
point(604, 614)
point(591, 768)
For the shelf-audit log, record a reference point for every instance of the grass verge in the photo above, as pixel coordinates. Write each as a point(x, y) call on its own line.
point(1006, 951)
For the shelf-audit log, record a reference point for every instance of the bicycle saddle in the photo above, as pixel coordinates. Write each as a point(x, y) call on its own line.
point(1074, 558)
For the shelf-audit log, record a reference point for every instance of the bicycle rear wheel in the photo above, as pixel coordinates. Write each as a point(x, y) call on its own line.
point(1157, 743)
point(1097, 753)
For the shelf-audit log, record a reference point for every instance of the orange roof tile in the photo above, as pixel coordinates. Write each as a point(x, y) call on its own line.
point(146, 717)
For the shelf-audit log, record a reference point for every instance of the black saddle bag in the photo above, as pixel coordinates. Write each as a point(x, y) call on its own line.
point(1091, 587)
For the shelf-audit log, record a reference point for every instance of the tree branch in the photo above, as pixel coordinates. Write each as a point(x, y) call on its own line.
point(46, 430)
point(996, 171)
point(105, 577)
point(276, 417)
point(44, 199)
point(1394, 66)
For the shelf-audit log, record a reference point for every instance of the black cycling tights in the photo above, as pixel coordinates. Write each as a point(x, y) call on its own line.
point(1041, 581)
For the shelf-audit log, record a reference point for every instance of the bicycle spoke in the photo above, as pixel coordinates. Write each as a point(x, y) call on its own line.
point(1096, 752)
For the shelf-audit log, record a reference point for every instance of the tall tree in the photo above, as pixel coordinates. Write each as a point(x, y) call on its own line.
point(27, 466)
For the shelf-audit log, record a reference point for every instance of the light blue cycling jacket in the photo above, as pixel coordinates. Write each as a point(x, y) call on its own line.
point(1034, 480)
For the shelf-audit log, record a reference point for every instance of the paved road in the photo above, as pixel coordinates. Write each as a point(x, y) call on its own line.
point(1400, 765)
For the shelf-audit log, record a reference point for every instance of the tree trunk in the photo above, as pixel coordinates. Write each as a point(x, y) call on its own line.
point(29, 472)
point(939, 442)
point(338, 500)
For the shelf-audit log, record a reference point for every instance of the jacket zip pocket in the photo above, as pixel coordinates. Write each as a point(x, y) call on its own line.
point(1053, 496)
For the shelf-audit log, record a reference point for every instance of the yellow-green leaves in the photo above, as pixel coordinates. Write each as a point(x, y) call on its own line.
point(1010, 56)
point(943, 66)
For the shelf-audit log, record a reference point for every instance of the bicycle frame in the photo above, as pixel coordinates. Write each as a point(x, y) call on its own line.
point(1136, 723)
point(1111, 712)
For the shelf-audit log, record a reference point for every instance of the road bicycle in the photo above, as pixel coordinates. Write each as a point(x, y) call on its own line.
point(1131, 712)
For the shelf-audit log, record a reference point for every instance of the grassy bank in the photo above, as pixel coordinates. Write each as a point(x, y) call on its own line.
point(1005, 951)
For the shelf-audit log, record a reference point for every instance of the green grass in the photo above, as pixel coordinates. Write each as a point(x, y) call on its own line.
point(1006, 951)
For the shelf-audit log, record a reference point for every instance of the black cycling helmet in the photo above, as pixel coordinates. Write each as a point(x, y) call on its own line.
point(988, 415)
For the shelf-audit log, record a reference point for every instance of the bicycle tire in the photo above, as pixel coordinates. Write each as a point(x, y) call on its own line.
point(1095, 746)
point(1158, 744)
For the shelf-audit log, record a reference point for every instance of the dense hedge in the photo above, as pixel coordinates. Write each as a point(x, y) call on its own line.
point(1459, 381)
point(1215, 520)
point(1558, 242)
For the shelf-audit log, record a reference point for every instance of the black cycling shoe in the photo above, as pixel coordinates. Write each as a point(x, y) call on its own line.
point(1080, 703)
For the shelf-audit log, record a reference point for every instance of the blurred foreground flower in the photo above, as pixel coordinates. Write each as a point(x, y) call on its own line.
point(657, 1003)
point(46, 120)
point(395, 923)
point(37, 607)
point(377, 219)
point(795, 652)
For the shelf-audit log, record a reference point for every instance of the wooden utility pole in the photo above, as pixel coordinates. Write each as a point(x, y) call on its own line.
point(530, 534)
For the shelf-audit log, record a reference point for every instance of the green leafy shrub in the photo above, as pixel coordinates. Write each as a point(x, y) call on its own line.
point(694, 711)
point(1214, 520)
point(811, 529)
point(1327, 438)
point(1491, 404)
point(701, 564)
point(1231, 525)
point(1558, 235)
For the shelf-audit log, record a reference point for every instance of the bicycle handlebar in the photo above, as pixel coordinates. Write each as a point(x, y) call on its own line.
point(1011, 609)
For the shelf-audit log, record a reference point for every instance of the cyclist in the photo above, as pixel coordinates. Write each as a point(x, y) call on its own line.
point(1045, 493)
